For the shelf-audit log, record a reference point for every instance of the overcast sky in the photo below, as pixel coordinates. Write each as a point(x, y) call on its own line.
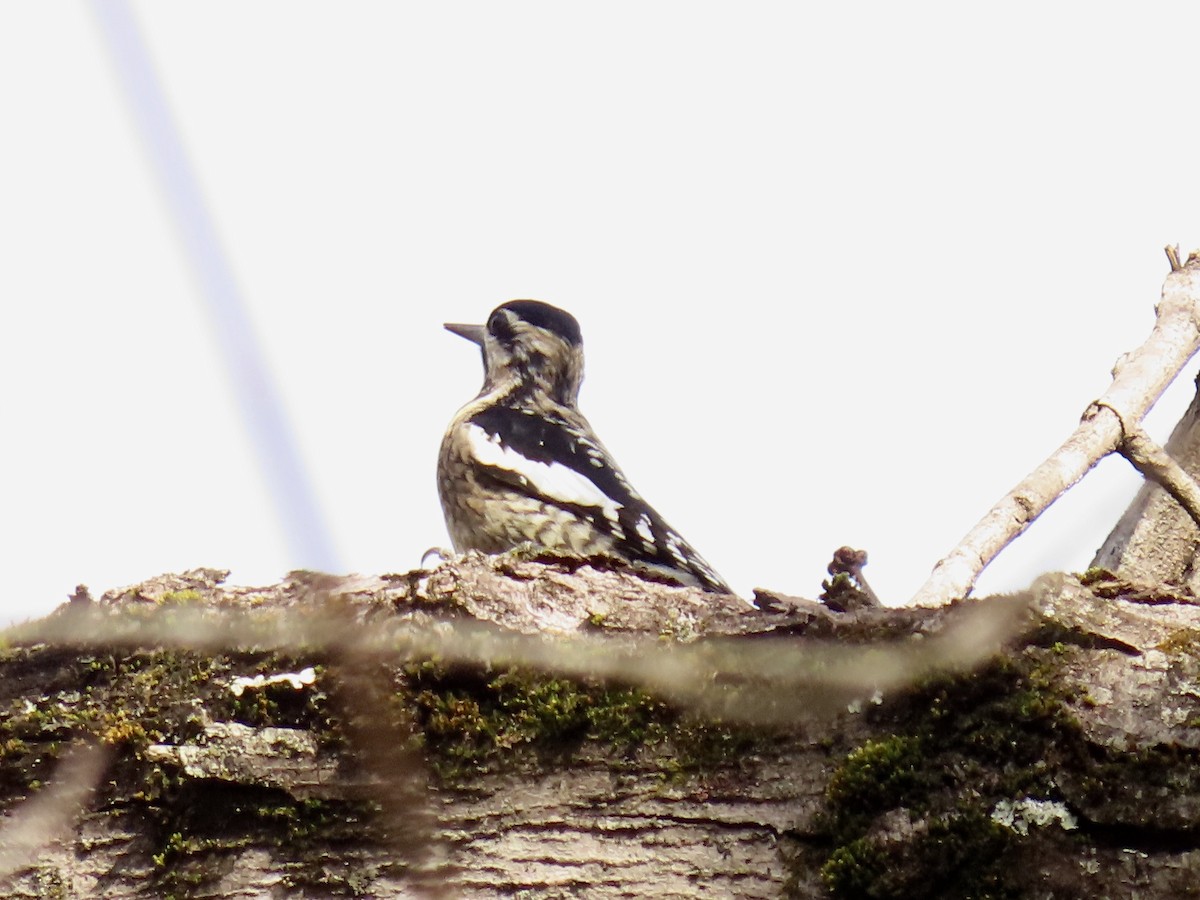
point(845, 272)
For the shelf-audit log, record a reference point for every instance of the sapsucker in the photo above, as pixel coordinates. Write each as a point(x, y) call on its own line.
point(520, 464)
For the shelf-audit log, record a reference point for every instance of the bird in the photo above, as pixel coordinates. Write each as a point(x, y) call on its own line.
point(520, 466)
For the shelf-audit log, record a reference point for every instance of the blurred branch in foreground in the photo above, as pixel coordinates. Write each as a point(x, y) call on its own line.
point(553, 726)
point(723, 662)
point(53, 810)
point(773, 679)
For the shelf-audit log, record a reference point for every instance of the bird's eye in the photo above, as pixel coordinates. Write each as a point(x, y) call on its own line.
point(499, 326)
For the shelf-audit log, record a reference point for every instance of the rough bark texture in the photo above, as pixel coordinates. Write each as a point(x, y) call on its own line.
point(1156, 540)
point(1064, 767)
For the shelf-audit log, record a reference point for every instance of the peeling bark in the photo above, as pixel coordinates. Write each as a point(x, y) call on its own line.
point(1064, 766)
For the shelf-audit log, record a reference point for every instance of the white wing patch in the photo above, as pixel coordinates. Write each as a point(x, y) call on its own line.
point(552, 480)
point(675, 547)
point(595, 457)
point(643, 529)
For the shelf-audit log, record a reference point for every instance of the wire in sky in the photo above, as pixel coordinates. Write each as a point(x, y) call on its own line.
point(308, 540)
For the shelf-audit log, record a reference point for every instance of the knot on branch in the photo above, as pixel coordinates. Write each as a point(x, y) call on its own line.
point(1153, 462)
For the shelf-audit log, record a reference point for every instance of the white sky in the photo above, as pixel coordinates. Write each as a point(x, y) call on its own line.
point(845, 273)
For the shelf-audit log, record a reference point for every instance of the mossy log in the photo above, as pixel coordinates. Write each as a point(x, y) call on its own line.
point(1064, 766)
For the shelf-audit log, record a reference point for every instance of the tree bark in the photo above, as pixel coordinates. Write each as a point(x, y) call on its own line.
point(1065, 764)
point(1156, 540)
point(1110, 423)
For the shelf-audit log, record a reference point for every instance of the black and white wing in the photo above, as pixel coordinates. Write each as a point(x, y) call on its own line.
point(562, 463)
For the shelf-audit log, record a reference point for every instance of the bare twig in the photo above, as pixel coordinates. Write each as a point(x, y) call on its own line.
point(1154, 463)
point(1173, 257)
point(1139, 378)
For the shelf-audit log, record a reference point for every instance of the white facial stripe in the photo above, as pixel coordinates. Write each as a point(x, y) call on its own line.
point(552, 480)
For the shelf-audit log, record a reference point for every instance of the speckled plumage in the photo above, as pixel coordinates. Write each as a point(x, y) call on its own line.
point(520, 464)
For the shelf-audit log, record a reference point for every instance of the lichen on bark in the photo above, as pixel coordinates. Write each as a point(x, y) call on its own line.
point(1064, 766)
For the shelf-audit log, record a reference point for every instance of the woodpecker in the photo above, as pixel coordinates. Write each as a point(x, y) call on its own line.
point(520, 465)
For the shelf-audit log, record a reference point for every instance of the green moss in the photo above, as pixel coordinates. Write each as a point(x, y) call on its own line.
point(13, 747)
point(1181, 640)
point(957, 856)
point(130, 702)
point(1096, 575)
point(188, 595)
point(854, 869)
point(199, 823)
point(473, 722)
point(467, 727)
point(874, 777)
point(1121, 785)
point(957, 746)
point(51, 885)
point(467, 721)
point(329, 878)
point(842, 592)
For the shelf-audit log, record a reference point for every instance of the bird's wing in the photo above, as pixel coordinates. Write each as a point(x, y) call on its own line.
point(562, 462)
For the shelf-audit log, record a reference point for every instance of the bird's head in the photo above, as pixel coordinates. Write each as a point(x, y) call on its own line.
point(529, 347)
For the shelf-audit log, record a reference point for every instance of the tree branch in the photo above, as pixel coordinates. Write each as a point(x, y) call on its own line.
point(1157, 465)
point(267, 741)
point(1139, 378)
point(1172, 251)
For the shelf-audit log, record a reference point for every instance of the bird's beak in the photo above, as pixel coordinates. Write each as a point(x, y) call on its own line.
point(473, 333)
